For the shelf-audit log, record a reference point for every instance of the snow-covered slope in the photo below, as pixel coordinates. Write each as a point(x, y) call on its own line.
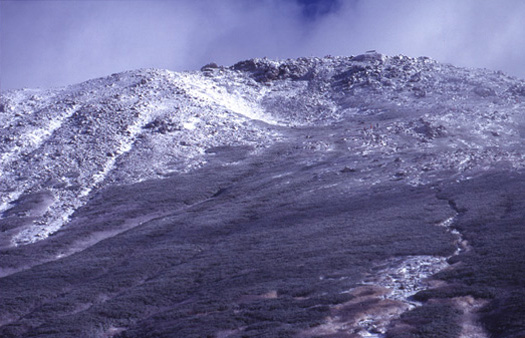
point(125, 128)
point(414, 115)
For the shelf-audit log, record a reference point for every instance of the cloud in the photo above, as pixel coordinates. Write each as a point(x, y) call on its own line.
point(51, 43)
point(473, 33)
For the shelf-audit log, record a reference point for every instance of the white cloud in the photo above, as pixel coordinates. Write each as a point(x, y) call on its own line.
point(473, 33)
point(46, 43)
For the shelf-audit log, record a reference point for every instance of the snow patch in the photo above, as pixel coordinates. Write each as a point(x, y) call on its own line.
point(229, 96)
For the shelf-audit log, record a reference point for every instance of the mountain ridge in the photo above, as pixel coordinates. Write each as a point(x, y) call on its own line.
point(148, 108)
point(270, 197)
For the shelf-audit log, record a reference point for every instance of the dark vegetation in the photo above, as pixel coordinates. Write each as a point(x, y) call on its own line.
point(429, 321)
point(492, 218)
point(261, 248)
point(257, 249)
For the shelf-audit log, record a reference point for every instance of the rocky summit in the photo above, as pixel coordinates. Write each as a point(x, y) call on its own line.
point(361, 196)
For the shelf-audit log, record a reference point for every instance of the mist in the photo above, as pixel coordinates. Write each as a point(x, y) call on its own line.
point(55, 43)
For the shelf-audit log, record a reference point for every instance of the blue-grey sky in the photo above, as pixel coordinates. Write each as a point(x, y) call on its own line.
point(53, 43)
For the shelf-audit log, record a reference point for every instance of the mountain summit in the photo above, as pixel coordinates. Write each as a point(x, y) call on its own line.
point(269, 198)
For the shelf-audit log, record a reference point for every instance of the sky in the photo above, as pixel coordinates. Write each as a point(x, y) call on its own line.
point(54, 43)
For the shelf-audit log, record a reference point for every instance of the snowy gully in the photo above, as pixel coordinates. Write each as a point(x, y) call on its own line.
point(388, 292)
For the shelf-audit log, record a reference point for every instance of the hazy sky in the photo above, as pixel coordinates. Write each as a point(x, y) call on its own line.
point(53, 43)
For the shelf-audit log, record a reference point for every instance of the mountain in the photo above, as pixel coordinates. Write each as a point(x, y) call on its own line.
point(363, 196)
